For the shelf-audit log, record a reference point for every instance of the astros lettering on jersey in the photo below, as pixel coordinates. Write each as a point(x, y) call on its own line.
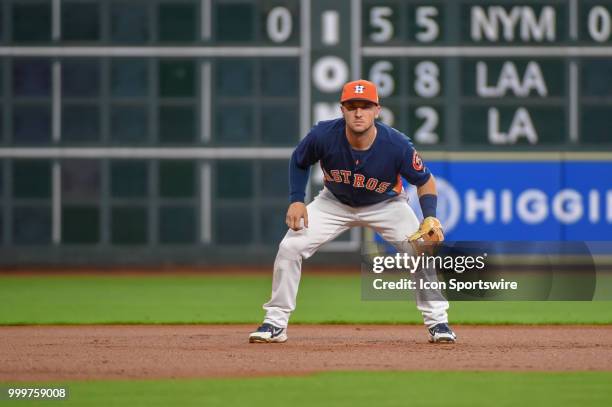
point(356, 177)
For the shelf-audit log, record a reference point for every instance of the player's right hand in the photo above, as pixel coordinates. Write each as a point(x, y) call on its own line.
point(296, 212)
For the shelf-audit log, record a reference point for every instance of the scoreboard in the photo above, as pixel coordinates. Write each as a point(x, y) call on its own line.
point(456, 73)
point(169, 123)
point(475, 74)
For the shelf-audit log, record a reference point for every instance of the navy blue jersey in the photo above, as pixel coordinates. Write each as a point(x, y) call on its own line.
point(358, 178)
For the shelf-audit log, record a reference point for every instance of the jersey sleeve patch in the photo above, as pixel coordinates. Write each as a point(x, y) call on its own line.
point(417, 162)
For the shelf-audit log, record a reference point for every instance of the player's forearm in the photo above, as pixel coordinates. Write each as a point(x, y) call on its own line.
point(298, 178)
point(428, 188)
point(428, 198)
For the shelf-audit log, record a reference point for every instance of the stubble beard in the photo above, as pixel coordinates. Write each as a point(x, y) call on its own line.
point(360, 133)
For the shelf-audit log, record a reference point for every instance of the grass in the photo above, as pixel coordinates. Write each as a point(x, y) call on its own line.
point(354, 389)
point(168, 299)
point(237, 299)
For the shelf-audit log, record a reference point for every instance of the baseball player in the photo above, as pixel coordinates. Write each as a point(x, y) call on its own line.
point(362, 162)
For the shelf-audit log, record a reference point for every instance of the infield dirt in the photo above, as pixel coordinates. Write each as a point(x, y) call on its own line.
point(193, 351)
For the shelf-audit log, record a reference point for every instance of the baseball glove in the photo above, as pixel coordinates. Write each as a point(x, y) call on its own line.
point(429, 231)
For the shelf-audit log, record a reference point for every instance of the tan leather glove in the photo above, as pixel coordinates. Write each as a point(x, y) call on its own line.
point(430, 231)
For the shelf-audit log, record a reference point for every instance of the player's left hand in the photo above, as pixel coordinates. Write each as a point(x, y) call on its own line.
point(430, 231)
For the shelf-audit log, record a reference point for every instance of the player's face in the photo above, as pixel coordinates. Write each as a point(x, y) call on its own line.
point(360, 115)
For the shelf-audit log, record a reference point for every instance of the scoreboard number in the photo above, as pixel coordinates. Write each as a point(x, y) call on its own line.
point(425, 19)
point(386, 116)
point(426, 83)
point(599, 24)
point(426, 134)
point(279, 24)
point(380, 75)
point(379, 20)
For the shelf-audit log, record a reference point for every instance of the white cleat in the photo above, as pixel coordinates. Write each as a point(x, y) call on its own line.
point(268, 333)
point(441, 333)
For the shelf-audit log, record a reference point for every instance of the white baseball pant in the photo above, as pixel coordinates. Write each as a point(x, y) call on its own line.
point(393, 219)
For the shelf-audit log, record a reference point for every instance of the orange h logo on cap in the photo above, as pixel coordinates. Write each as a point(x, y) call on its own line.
point(359, 90)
